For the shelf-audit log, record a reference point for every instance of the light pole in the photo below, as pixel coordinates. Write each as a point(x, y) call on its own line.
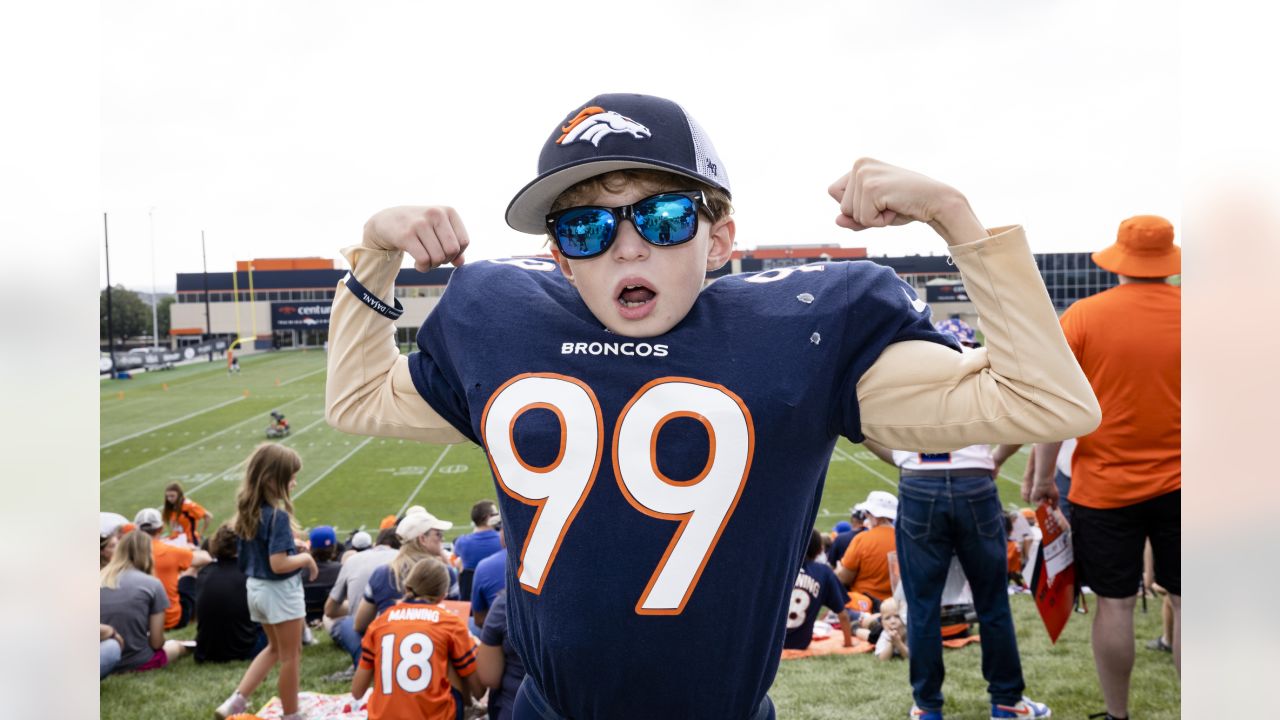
point(208, 322)
point(155, 324)
point(111, 335)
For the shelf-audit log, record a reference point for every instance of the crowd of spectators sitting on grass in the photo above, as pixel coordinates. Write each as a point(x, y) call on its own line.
point(844, 581)
point(224, 630)
point(132, 604)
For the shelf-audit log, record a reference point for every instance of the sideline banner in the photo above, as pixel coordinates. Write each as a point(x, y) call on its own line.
point(300, 315)
point(953, 292)
point(130, 360)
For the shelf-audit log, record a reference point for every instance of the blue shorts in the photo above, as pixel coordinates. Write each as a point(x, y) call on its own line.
point(275, 601)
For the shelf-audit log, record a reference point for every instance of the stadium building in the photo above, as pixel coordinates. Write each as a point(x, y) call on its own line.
point(284, 303)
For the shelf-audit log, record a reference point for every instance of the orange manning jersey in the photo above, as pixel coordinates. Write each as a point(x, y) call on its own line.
point(410, 648)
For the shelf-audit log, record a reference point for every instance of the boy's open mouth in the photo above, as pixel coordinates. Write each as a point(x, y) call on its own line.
point(635, 295)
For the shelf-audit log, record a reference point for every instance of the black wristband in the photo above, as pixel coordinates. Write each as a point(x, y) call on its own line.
point(388, 311)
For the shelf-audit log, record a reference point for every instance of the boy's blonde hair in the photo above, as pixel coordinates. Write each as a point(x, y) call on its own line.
point(650, 181)
point(890, 607)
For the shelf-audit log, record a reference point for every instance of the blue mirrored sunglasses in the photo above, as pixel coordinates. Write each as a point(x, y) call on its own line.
point(665, 219)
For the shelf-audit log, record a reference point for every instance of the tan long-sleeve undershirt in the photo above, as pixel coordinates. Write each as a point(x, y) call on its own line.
point(1024, 386)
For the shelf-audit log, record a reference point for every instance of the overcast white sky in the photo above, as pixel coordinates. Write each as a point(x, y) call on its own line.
point(278, 128)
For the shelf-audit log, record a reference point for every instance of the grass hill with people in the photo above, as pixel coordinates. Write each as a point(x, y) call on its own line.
point(197, 424)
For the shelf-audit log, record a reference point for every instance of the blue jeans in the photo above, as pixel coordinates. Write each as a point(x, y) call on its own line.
point(1064, 488)
point(939, 517)
point(108, 657)
point(345, 636)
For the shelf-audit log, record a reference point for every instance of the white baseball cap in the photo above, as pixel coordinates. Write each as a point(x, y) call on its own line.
point(109, 523)
point(361, 540)
point(415, 524)
point(148, 519)
point(880, 504)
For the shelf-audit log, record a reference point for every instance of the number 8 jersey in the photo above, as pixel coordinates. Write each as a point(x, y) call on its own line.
point(410, 648)
point(658, 493)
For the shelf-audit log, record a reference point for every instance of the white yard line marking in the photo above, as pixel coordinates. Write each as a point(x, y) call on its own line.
point(868, 468)
point(426, 477)
point(1017, 481)
point(330, 469)
point(291, 380)
point(191, 444)
point(241, 462)
point(1025, 449)
point(289, 439)
point(217, 476)
point(171, 422)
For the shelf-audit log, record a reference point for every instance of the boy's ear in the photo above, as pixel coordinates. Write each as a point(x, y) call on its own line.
point(563, 264)
point(720, 248)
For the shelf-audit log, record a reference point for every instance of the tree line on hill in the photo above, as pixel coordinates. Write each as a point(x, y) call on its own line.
point(131, 315)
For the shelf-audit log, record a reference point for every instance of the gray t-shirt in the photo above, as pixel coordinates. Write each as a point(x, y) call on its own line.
point(128, 608)
point(355, 573)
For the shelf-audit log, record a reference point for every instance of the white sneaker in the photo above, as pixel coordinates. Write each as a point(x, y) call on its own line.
point(233, 705)
point(1026, 708)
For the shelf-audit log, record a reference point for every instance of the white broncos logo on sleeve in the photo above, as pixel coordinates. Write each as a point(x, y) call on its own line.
point(594, 123)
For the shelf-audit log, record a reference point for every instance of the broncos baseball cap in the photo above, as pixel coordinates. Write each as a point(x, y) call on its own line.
point(610, 132)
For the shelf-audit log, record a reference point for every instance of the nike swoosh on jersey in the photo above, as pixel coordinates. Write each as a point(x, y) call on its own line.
point(916, 303)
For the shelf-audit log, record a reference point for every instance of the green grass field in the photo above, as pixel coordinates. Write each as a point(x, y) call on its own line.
point(196, 425)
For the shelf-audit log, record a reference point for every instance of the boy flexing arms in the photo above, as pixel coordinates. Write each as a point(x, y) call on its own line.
point(659, 448)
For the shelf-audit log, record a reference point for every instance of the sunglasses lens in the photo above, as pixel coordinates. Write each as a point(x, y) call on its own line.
point(666, 219)
point(583, 232)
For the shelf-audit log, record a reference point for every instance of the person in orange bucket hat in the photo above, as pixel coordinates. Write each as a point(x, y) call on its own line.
point(1126, 476)
point(1143, 249)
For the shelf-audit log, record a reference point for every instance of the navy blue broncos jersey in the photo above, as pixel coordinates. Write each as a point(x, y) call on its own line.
point(816, 587)
point(658, 493)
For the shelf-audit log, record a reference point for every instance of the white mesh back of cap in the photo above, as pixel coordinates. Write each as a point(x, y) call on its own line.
point(708, 160)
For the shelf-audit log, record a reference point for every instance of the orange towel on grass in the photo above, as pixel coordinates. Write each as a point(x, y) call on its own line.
point(960, 642)
point(832, 644)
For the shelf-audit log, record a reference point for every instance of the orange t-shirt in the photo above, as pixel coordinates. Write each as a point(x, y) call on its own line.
point(169, 562)
point(1128, 341)
point(1014, 554)
point(868, 558)
point(410, 648)
point(185, 520)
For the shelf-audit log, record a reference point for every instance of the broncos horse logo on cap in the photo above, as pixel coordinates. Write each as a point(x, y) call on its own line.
point(594, 122)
